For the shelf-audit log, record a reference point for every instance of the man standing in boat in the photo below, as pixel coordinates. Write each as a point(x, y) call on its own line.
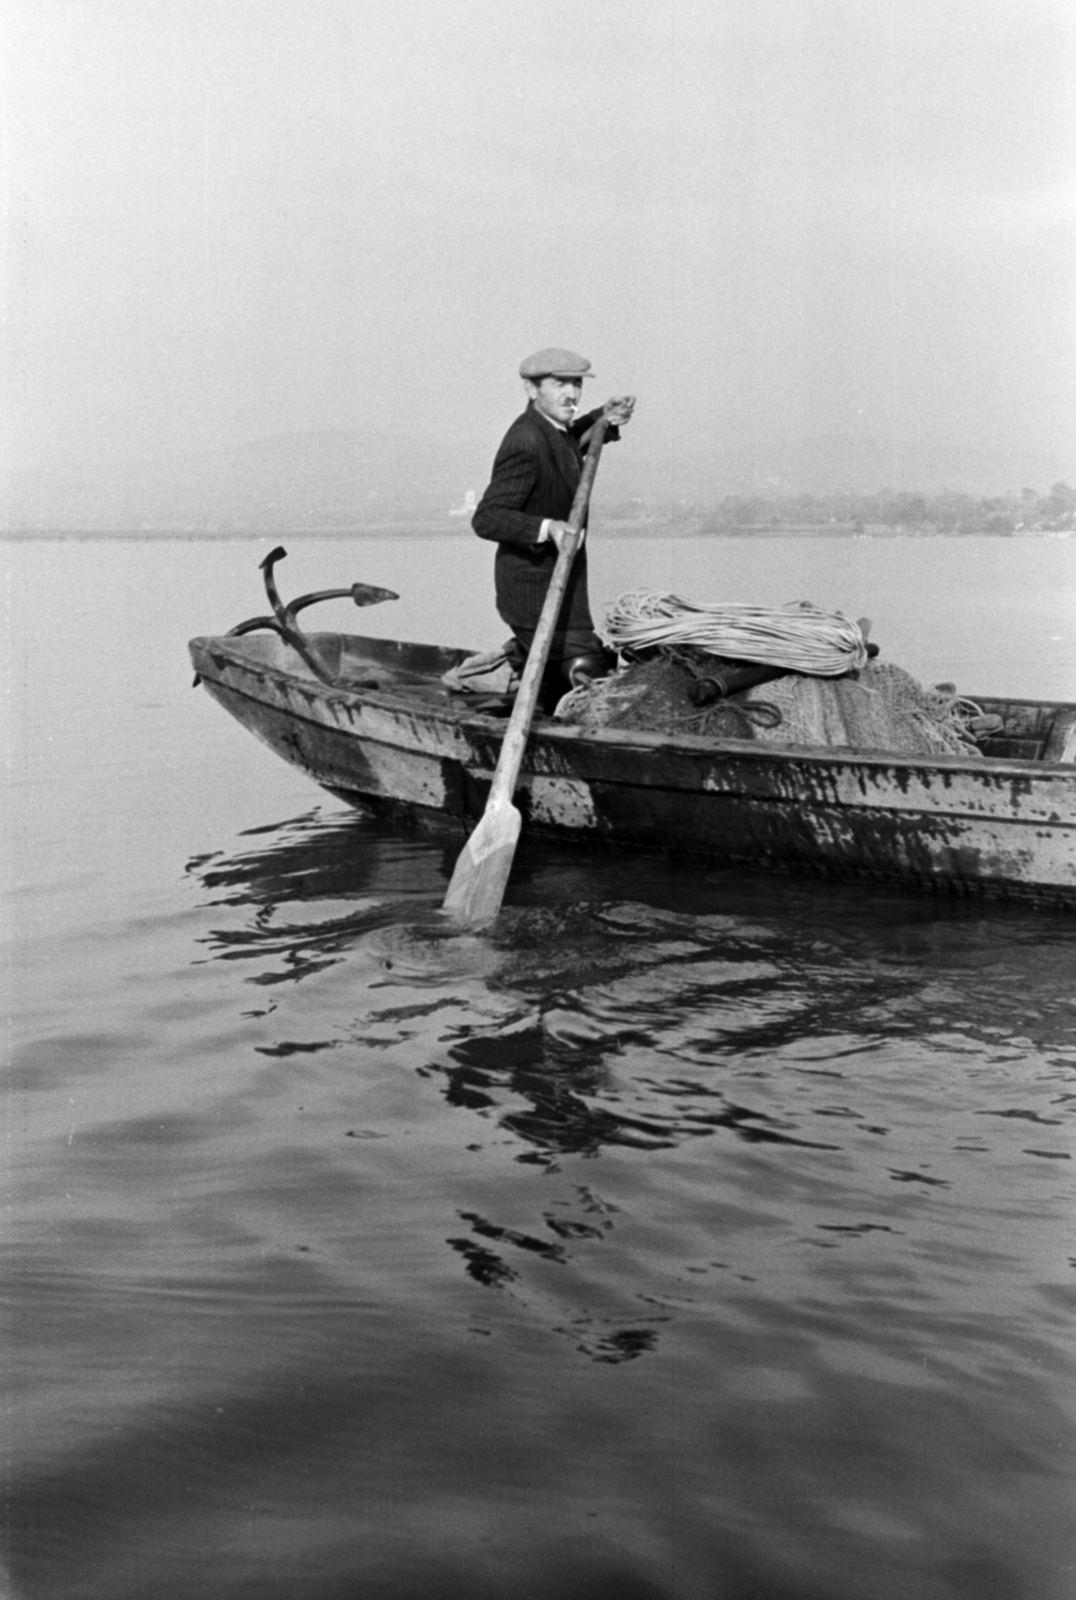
point(526, 507)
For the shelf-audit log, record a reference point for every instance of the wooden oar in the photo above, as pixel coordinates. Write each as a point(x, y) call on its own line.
point(478, 882)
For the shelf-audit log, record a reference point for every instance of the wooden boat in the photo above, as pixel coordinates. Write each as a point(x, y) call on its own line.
point(370, 720)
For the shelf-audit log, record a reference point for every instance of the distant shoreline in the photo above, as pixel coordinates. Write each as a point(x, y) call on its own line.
point(635, 528)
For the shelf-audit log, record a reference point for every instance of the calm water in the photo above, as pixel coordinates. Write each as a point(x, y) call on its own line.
point(692, 1236)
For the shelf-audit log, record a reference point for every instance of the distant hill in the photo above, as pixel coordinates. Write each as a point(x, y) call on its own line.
point(826, 465)
point(348, 478)
point(334, 478)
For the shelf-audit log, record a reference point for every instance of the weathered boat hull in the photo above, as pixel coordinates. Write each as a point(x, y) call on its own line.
point(392, 737)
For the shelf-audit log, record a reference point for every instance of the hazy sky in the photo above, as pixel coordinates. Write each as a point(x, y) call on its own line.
point(234, 218)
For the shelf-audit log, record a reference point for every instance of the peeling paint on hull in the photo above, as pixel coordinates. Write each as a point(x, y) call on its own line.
point(1002, 827)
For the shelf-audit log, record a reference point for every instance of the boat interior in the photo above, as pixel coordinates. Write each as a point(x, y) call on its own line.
point(1030, 731)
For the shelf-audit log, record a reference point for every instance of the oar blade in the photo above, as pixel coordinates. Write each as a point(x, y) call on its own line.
point(481, 874)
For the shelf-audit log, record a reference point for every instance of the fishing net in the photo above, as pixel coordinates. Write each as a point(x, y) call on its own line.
point(881, 707)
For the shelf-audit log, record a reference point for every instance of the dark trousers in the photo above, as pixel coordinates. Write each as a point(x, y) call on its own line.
point(567, 647)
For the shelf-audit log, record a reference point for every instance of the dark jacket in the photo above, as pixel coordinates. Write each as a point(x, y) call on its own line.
point(535, 475)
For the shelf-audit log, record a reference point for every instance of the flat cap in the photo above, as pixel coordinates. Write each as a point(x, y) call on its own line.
point(555, 364)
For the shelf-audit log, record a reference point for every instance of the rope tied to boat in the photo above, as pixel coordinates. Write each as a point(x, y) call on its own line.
point(798, 637)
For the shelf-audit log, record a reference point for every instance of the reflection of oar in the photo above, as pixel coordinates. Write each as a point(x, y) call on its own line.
point(478, 883)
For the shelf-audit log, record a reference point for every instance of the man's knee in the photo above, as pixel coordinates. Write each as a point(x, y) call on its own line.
point(584, 669)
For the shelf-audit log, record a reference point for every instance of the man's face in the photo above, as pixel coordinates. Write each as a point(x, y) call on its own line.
point(557, 398)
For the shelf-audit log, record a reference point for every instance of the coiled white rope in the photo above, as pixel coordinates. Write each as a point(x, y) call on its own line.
point(798, 637)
